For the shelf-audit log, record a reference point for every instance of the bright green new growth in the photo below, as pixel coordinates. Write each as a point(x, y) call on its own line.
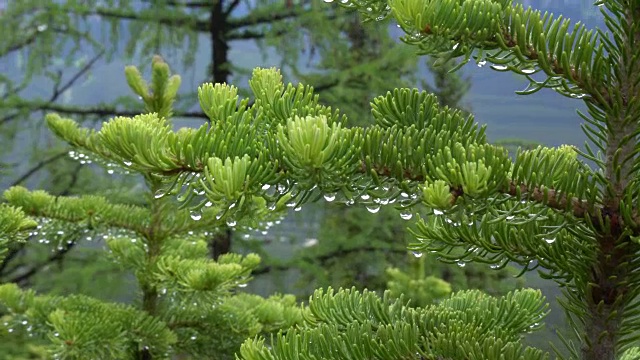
point(188, 303)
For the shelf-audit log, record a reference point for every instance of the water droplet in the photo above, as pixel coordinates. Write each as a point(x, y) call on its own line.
point(365, 197)
point(60, 232)
point(481, 63)
point(231, 223)
point(196, 215)
point(437, 212)
point(373, 208)
point(499, 67)
point(159, 194)
point(194, 337)
point(461, 263)
point(242, 285)
point(127, 163)
point(208, 204)
point(110, 171)
point(298, 208)
point(42, 27)
point(550, 241)
point(245, 236)
point(528, 71)
point(330, 197)
point(10, 330)
point(266, 187)
point(24, 322)
point(455, 46)
point(406, 215)
point(510, 217)
point(417, 254)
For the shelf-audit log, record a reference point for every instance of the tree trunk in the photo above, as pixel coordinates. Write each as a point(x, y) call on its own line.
point(219, 48)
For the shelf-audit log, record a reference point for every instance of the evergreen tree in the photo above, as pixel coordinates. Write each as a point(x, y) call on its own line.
point(543, 209)
point(57, 33)
point(366, 248)
point(188, 304)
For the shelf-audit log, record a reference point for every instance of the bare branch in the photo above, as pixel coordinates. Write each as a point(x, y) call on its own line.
point(266, 18)
point(38, 166)
point(98, 110)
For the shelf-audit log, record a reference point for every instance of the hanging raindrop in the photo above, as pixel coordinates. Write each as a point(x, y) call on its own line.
point(550, 241)
point(373, 208)
point(406, 215)
point(461, 263)
point(330, 197)
point(417, 254)
point(196, 215)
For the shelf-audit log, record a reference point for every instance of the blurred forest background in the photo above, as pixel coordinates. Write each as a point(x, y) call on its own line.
point(69, 57)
